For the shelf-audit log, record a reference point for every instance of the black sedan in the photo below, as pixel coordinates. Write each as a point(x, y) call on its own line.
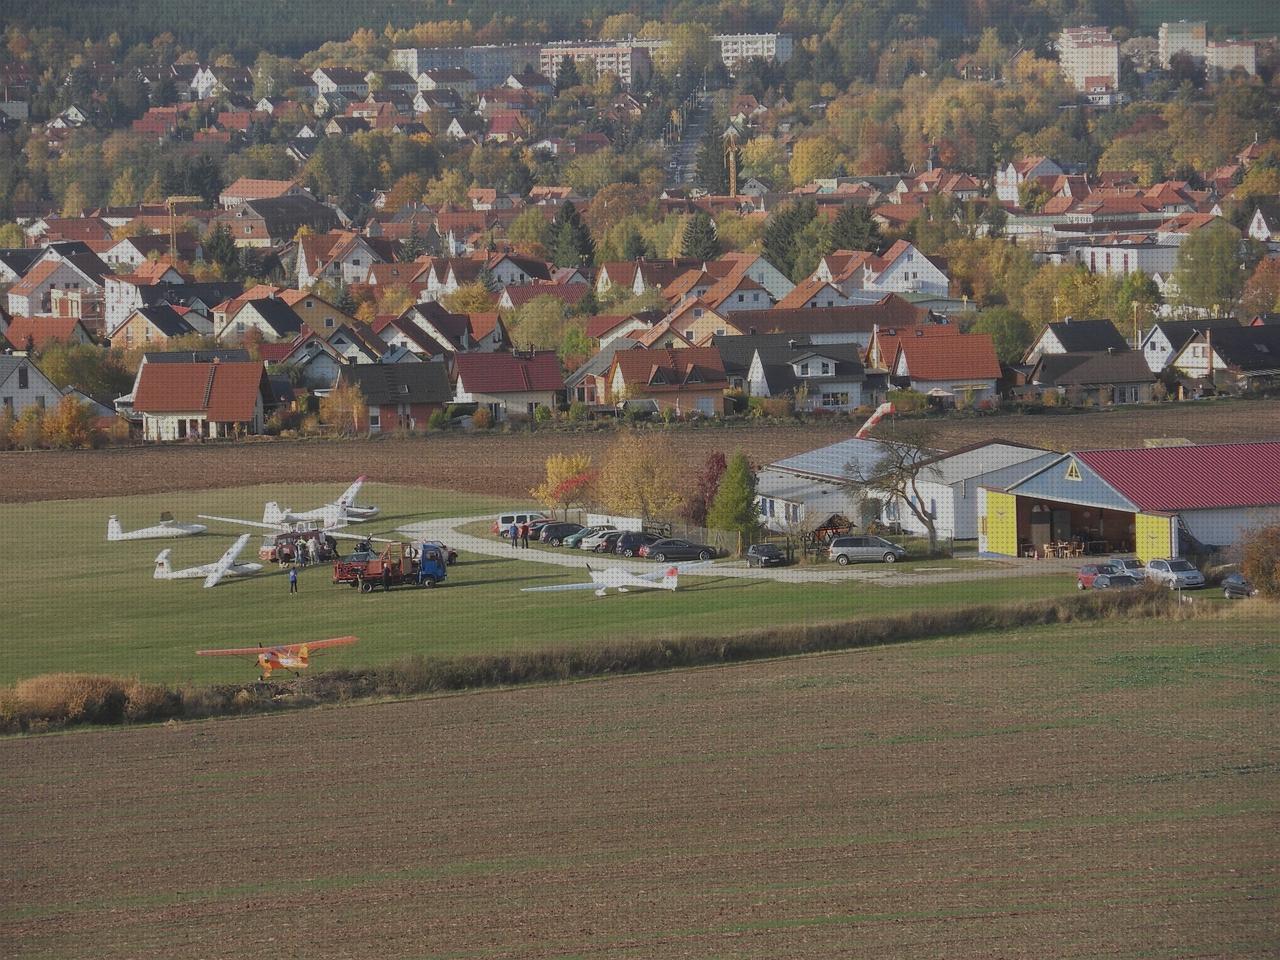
point(554, 533)
point(632, 543)
point(674, 549)
point(608, 542)
point(765, 555)
point(1236, 587)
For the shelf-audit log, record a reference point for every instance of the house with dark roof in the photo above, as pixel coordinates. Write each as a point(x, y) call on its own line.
point(1100, 379)
point(454, 332)
point(684, 381)
point(270, 316)
point(1232, 358)
point(153, 324)
point(815, 376)
point(1076, 336)
point(272, 221)
point(179, 401)
point(509, 383)
point(589, 383)
point(23, 385)
point(851, 324)
point(1166, 338)
point(400, 396)
point(1155, 502)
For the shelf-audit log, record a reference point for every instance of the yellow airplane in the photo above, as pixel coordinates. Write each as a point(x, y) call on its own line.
point(289, 656)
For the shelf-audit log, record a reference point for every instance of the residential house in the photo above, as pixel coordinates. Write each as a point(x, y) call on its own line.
point(397, 80)
point(340, 256)
point(608, 327)
point(458, 79)
point(1102, 379)
point(812, 293)
point(347, 81)
point(179, 401)
point(457, 332)
point(569, 294)
point(1264, 226)
point(589, 384)
point(23, 385)
point(686, 381)
point(152, 325)
point(852, 324)
point(274, 220)
point(1235, 358)
point(509, 383)
point(247, 188)
point(960, 370)
point(1014, 174)
point(1076, 336)
point(270, 316)
point(882, 349)
point(815, 376)
point(509, 268)
point(347, 126)
point(81, 274)
point(320, 360)
point(1166, 338)
point(16, 261)
point(400, 396)
point(316, 312)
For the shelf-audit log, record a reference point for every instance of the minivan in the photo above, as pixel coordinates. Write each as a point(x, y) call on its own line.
point(845, 550)
point(503, 524)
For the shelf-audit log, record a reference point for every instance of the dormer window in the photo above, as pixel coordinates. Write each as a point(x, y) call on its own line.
point(804, 369)
point(826, 367)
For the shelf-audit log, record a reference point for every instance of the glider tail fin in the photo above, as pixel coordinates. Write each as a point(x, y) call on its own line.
point(671, 579)
point(163, 570)
point(114, 530)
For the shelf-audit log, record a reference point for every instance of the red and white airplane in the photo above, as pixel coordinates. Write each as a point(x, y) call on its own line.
point(294, 657)
point(624, 580)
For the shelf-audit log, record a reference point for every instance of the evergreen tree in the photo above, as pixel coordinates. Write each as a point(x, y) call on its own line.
point(782, 233)
point(634, 246)
point(220, 249)
point(854, 229)
point(700, 238)
point(568, 76)
point(571, 243)
point(734, 507)
point(414, 246)
point(711, 172)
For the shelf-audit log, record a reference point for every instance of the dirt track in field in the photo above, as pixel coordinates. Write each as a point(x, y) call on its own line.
point(508, 465)
point(999, 800)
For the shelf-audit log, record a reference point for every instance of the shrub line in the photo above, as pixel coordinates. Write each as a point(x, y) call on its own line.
point(56, 701)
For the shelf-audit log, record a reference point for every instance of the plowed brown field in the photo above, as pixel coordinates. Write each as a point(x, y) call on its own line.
point(1066, 792)
point(508, 465)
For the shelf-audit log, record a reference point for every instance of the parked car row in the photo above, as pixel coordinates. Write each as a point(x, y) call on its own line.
point(1174, 573)
point(604, 539)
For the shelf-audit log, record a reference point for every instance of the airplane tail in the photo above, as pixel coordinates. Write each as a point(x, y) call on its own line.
point(348, 498)
point(671, 579)
point(163, 570)
point(272, 513)
point(114, 530)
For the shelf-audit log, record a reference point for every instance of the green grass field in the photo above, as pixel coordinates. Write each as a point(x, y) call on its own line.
point(75, 602)
point(1059, 792)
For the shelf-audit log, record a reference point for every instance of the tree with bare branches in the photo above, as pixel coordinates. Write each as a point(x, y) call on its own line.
point(908, 459)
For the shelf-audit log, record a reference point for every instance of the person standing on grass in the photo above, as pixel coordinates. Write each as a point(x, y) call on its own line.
point(386, 577)
point(293, 579)
point(524, 535)
point(514, 535)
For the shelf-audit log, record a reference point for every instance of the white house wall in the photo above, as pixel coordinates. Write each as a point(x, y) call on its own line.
point(1228, 525)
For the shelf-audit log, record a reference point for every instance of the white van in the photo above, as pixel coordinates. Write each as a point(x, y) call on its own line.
point(502, 525)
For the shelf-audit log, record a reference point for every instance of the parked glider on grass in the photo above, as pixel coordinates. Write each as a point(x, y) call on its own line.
point(289, 656)
point(212, 572)
point(166, 528)
point(624, 580)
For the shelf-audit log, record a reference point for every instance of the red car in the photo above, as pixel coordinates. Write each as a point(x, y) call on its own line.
point(1091, 571)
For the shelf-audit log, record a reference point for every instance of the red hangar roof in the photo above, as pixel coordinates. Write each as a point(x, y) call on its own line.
point(1167, 479)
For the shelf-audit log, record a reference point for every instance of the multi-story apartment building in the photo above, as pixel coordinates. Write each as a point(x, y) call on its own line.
point(626, 60)
point(736, 47)
point(1090, 59)
point(491, 64)
point(1185, 36)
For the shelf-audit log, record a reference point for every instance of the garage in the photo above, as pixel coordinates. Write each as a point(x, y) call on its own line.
point(1150, 501)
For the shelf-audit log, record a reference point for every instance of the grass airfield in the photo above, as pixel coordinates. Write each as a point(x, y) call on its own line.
point(75, 602)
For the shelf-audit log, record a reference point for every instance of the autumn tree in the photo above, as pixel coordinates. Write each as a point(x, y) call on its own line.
point(568, 483)
point(539, 324)
point(469, 298)
point(448, 188)
point(344, 409)
point(638, 477)
point(811, 158)
point(907, 460)
point(705, 484)
point(86, 367)
point(734, 507)
point(69, 426)
point(1262, 560)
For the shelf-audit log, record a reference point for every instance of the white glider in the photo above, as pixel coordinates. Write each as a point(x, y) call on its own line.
point(212, 572)
point(624, 580)
point(166, 528)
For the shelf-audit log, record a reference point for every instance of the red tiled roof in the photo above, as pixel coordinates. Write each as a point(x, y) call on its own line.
point(508, 373)
point(570, 294)
point(43, 330)
point(671, 369)
point(598, 326)
point(1192, 478)
point(963, 357)
point(37, 275)
point(225, 392)
point(482, 324)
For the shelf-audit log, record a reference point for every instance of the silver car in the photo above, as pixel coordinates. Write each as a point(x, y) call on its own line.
point(1175, 573)
point(846, 550)
point(1130, 565)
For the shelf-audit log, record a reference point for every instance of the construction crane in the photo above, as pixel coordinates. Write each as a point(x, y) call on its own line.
point(171, 204)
